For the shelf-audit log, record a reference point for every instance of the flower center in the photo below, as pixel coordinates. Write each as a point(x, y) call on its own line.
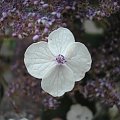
point(60, 59)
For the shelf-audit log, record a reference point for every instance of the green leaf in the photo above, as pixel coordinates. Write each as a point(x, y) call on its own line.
point(94, 40)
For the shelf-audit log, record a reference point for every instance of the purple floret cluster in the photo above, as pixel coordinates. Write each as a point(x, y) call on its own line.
point(37, 18)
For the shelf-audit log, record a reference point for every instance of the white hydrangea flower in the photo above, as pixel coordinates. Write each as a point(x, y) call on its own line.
point(59, 62)
point(20, 119)
point(91, 28)
point(78, 112)
point(24, 119)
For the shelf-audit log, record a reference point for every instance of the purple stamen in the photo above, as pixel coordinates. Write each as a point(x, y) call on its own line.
point(60, 59)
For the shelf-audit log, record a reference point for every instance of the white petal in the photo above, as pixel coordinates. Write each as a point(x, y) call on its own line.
point(73, 115)
point(76, 107)
point(87, 114)
point(78, 59)
point(75, 112)
point(59, 39)
point(91, 28)
point(38, 59)
point(58, 80)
